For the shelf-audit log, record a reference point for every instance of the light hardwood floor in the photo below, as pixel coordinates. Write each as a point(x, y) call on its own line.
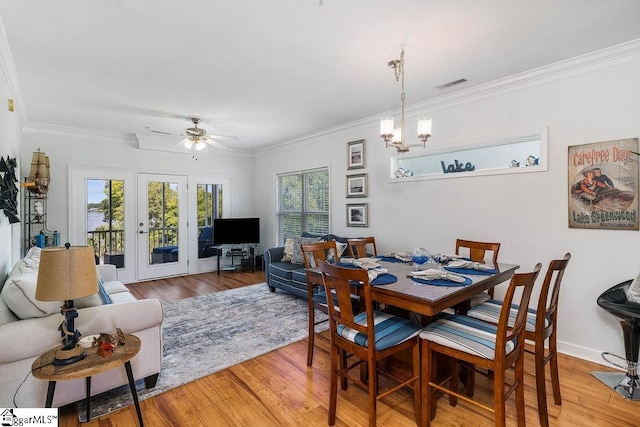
point(278, 388)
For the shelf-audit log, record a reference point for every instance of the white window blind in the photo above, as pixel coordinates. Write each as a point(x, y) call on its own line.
point(302, 203)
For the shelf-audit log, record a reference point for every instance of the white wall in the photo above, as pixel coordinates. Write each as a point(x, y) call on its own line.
point(10, 140)
point(65, 150)
point(527, 213)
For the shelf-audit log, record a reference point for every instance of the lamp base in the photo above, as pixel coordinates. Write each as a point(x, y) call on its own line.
point(67, 357)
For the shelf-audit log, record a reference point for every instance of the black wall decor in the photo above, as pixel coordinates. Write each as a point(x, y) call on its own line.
point(9, 189)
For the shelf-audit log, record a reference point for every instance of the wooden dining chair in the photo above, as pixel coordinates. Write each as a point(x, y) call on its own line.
point(477, 251)
point(315, 254)
point(541, 324)
point(468, 341)
point(358, 247)
point(368, 336)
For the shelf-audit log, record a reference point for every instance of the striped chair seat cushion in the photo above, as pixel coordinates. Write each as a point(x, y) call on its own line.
point(479, 298)
point(389, 330)
point(466, 334)
point(490, 312)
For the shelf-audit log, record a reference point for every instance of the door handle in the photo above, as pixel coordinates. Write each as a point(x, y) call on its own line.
point(143, 232)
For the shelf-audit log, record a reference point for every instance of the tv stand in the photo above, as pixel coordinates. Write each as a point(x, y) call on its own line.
point(245, 261)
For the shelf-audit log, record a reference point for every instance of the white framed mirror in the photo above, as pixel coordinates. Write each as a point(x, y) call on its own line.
point(520, 153)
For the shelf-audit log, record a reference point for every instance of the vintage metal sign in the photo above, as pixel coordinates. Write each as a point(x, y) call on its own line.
point(603, 185)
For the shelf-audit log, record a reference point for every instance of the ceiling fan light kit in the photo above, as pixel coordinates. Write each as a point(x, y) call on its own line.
point(199, 137)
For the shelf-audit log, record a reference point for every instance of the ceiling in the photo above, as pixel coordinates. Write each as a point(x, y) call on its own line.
point(274, 71)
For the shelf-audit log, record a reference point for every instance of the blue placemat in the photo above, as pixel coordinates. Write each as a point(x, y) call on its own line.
point(384, 279)
point(441, 282)
point(346, 265)
point(472, 271)
point(389, 259)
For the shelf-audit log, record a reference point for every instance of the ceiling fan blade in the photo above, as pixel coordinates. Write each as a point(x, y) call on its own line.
point(223, 137)
point(215, 144)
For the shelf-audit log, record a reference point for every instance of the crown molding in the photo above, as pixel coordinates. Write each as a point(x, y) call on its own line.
point(581, 64)
point(591, 61)
point(51, 129)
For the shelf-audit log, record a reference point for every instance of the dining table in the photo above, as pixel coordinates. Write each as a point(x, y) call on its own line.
point(428, 300)
point(431, 300)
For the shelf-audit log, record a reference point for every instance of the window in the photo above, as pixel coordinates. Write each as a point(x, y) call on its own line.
point(105, 220)
point(209, 208)
point(302, 203)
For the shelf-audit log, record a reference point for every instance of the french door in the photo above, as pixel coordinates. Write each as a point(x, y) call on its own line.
point(162, 226)
point(137, 221)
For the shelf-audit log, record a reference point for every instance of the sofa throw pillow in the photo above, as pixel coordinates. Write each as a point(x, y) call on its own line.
point(99, 298)
point(633, 293)
point(19, 293)
point(288, 250)
point(297, 258)
point(32, 258)
point(341, 247)
point(104, 296)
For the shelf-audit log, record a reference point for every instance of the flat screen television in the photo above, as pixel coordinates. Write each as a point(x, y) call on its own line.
point(230, 231)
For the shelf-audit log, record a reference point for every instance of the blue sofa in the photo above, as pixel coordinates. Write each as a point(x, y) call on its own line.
point(285, 275)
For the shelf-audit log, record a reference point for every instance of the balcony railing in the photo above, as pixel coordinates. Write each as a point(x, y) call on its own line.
point(106, 241)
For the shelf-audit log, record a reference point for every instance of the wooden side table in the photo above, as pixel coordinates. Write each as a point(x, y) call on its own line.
point(93, 364)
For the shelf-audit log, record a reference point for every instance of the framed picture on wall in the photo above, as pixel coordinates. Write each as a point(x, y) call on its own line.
point(603, 189)
point(357, 185)
point(355, 154)
point(357, 215)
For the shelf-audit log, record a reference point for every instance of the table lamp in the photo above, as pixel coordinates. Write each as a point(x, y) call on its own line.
point(65, 274)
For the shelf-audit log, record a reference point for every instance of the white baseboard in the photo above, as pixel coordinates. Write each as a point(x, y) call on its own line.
point(584, 353)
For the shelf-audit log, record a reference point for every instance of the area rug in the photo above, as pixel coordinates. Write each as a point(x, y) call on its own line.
point(209, 333)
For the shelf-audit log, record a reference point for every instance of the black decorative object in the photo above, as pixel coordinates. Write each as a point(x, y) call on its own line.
point(9, 189)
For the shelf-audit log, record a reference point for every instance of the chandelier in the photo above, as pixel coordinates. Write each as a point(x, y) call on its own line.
point(394, 137)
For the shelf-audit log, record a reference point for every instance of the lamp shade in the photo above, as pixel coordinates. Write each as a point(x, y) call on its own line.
point(66, 274)
point(386, 126)
point(424, 127)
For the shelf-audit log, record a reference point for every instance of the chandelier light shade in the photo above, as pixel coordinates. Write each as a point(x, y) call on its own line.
point(424, 128)
point(395, 137)
point(386, 128)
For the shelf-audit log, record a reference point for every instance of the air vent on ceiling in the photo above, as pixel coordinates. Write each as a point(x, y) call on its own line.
point(453, 83)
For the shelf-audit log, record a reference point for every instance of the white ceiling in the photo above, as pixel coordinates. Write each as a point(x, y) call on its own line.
point(272, 71)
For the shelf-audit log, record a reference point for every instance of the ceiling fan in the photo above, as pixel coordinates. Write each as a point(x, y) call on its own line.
point(199, 137)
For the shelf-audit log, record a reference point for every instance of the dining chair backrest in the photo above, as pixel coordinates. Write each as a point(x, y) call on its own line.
point(472, 344)
point(506, 332)
point(478, 250)
point(547, 310)
point(339, 281)
point(370, 336)
point(358, 247)
point(317, 253)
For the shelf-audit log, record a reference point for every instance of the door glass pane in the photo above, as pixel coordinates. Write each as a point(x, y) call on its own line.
point(163, 221)
point(105, 220)
point(209, 207)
